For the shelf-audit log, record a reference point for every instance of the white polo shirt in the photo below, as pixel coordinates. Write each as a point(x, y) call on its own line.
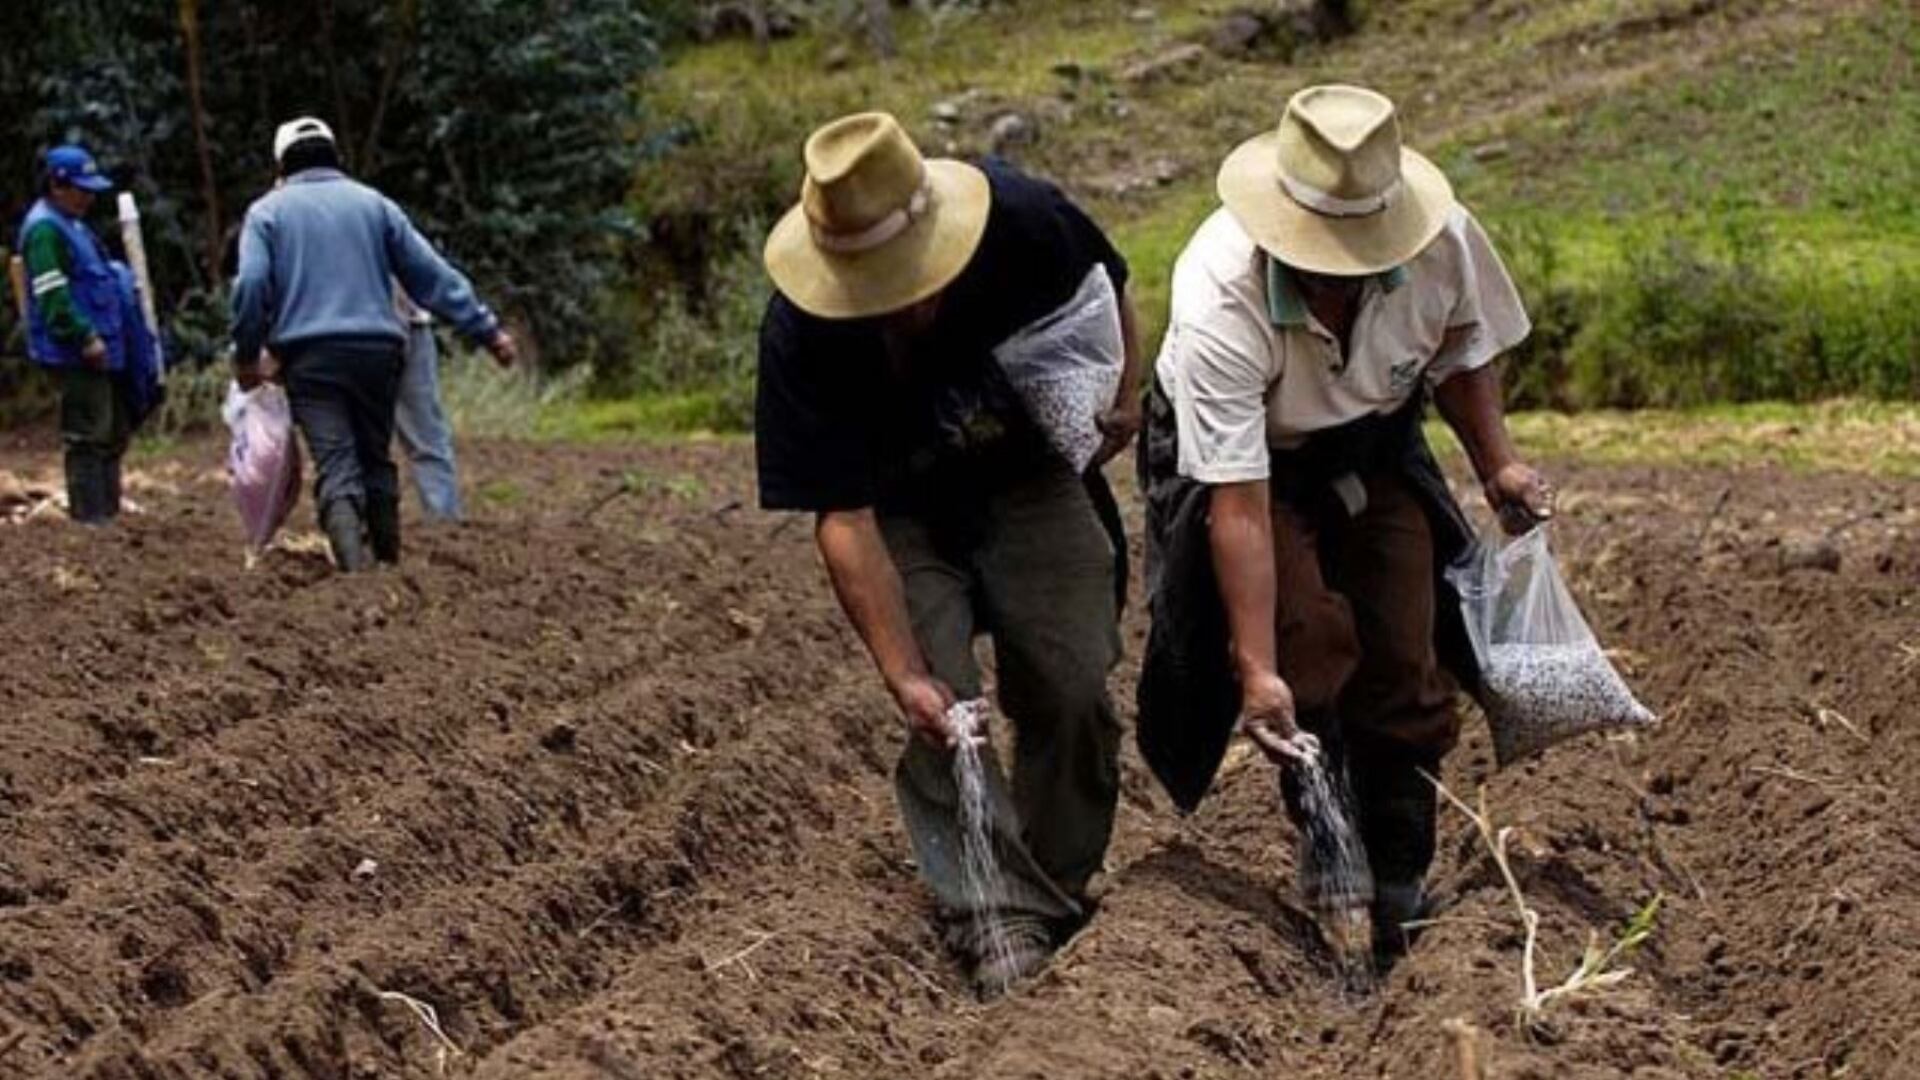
point(1247, 366)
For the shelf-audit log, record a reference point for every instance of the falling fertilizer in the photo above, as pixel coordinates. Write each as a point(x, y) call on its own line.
point(1336, 876)
point(979, 866)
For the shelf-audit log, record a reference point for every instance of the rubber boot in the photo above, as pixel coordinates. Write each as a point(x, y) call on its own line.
point(111, 471)
point(383, 527)
point(1399, 816)
point(86, 490)
point(346, 535)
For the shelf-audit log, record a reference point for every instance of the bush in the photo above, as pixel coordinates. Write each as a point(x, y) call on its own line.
point(710, 353)
point(1678, 318)
point(486, 401)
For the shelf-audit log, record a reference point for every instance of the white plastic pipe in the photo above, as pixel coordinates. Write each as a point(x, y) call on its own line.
point(136, 247)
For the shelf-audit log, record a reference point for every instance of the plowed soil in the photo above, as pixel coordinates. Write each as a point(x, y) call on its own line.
point(601, 780)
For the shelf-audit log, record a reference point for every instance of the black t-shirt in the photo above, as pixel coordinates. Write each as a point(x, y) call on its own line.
point(840, 426)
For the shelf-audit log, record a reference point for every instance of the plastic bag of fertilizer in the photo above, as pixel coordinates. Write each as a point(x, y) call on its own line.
point(1545, 677)
point(262, 461)
point(1066, 367)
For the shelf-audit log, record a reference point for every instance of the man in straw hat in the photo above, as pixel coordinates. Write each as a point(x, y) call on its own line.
point(942, 512)
point(1296, 518)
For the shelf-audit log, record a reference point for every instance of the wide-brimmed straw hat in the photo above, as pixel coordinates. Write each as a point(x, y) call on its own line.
point(878, 227)
point(1331, 190)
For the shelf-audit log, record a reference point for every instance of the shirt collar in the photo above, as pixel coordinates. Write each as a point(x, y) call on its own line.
point(1285, 306)
point(315, 176)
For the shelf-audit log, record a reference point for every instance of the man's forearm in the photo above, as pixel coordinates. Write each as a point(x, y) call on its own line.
point(1134, 374)
point(870, 590)
point(1240, 529)
point(1470, 404)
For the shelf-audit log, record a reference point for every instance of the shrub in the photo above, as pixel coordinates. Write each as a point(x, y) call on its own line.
point(707, 353)
point(1676, 317)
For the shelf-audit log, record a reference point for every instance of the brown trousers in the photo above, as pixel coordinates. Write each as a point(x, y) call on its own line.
point(1355, 627)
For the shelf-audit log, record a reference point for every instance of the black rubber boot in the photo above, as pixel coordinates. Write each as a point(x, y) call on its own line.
point(383, 527)
point(346, 535)
point(1398, 816)
point(86, 490)
point(111, 469)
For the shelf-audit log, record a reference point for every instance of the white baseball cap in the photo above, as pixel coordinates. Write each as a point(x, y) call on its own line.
point(293, 131)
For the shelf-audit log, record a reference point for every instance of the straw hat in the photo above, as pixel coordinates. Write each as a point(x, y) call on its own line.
point(878, 227)
point(1332, 191)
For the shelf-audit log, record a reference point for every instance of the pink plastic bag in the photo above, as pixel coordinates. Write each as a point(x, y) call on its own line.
point(262, 461)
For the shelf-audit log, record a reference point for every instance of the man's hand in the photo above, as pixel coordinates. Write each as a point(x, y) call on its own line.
point(506, 351)
point(94, 354)
point(248, 375)
point(1266, 717)
point(925, 700)
point(1521, 496)
point(1120, 425)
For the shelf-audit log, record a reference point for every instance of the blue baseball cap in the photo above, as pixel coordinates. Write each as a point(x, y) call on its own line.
point(73, 165)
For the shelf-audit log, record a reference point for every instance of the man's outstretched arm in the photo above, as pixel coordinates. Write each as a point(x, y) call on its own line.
point(875, 600)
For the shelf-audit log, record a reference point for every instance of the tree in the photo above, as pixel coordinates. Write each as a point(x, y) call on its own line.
point(505, 126)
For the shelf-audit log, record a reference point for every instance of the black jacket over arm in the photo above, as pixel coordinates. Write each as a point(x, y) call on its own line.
point(1189, 696)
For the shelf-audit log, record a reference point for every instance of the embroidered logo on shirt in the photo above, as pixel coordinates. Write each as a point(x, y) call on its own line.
point(1401, 377)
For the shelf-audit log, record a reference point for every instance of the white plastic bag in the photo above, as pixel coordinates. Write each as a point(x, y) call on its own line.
point(1545, 677)
point(262, 461)
point(1066, 367)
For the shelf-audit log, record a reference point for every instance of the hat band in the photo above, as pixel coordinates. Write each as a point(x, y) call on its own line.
point(880, 232)
point(1331, 205)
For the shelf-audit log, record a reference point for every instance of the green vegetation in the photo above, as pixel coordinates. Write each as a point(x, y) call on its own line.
point(507, 128)
point(1703, 203)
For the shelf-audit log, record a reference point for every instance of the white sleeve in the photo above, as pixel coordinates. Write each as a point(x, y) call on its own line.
point(1488, 317)
point(1221, 370)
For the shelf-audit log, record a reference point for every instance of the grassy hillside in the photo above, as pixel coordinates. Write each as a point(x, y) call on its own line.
point(1705, 200)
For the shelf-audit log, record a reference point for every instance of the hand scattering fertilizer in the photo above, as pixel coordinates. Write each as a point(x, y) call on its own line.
point(1066, 367)
point(979, 866)
point(1546, 679)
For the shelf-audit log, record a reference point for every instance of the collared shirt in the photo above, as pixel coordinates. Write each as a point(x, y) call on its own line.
point(1247, 366)
point(840, 424)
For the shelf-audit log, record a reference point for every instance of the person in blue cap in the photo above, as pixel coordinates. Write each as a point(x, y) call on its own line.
point(76, 326)
point(318, 258)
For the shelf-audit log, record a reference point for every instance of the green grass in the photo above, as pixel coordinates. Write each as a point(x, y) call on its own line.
point(1701, 202)
point(1819, 123)
point(502, 493)
point(639, 417)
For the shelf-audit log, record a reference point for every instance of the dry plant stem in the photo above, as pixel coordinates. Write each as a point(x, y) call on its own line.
point(1530, 1002)
point(738, 957)
point(430, 1019)
point(1595, 970)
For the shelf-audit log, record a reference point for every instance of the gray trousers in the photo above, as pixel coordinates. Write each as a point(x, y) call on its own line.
point(1035, 574)
point(342, 394)
point(424, 430)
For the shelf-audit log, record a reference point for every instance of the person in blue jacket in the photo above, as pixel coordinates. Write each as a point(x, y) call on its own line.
point(318, 258)
point(77, 328)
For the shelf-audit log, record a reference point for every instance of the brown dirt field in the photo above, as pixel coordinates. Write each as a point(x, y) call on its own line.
point(625, 780)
